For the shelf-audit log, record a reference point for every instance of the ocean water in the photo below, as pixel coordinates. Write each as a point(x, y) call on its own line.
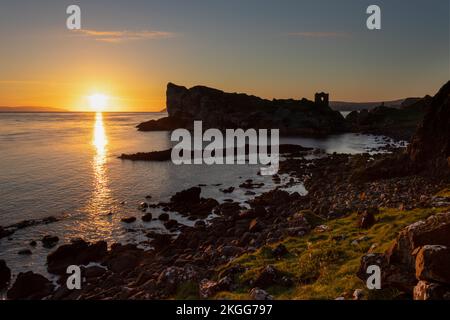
point(65, 165)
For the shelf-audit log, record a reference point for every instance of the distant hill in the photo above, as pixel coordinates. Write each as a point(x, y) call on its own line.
point(355, 106)
point(31, 109)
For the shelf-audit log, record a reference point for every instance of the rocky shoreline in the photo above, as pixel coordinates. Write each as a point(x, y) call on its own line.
point(191, 260)
point(392, 210)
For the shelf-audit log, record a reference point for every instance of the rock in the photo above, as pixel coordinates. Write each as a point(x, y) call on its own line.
point(30, 286)
point(147, 217)
point(143, 206)
point(227, 190)
point(200, 224)
point(171, 224)
point(171, 277)
point(25, 252)
point(78, 252)
point(94, 272)
point(187, 196)
point(431, 291)
point(255, 226)
point(430, 146)
point(129, 220)
point(49, 241)
point(208, 288)
point(435, 230)
point(163, 124)
point(279, 251)
point(270, 276)
point(5, 233)
point(33, 243)
point(358, 294)
point(164, 217)
point(230, 251)
point(228, 209)
point(366, 220)
point(5, 275)
point(123, 258)
point(160, 240)
point(259, 294)
point(433, 264)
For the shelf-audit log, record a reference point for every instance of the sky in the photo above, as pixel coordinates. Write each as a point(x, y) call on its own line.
point(129, 50)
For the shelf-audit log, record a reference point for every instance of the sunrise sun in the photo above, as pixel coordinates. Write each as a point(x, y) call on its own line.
point(98, 101)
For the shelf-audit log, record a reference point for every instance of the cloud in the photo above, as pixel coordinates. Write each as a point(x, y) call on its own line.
point(122, 36)
point(319, 34)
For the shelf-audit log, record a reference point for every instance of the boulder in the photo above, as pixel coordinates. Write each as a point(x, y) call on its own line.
point(30, 286)
point(128, 219)
point(208, 288)
point(49, 241)
point(435, 230)
point(433, 264)
point(147, 217)
point(191, 195)
point(79, 252)
point(270, 276)
point(259, 294)
point(431, 291)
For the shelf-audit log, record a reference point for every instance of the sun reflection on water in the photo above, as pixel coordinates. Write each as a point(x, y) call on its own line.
point(100, 200)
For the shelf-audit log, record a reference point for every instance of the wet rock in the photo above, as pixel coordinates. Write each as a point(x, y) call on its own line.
point(433, 264)
point(5, 275)
point(187, 196)
point(259, 294)
point(163, 155)
point(164, 217)
point(79, 252)
point(49, 241)
point(159, 240)
point(143, 206)
point(25, 252)
point(147, 217)
point(30, 286)
point(5, 233)
point(228, 209)
point(171, 224)
point(129, 220)
point(227, 190)
point(200, 224)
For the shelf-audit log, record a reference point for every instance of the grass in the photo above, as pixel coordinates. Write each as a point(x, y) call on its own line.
point(324, 265)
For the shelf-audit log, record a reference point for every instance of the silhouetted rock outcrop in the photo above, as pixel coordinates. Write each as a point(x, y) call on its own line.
point(398, 123)
point(218, 109)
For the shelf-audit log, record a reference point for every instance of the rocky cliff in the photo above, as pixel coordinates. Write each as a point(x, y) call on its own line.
point(218, 109)
point(430, 146)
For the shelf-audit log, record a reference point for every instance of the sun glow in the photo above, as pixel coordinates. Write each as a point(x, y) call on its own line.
point(98, 102)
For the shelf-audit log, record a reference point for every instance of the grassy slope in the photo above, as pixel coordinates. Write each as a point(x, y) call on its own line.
point(324, 264)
